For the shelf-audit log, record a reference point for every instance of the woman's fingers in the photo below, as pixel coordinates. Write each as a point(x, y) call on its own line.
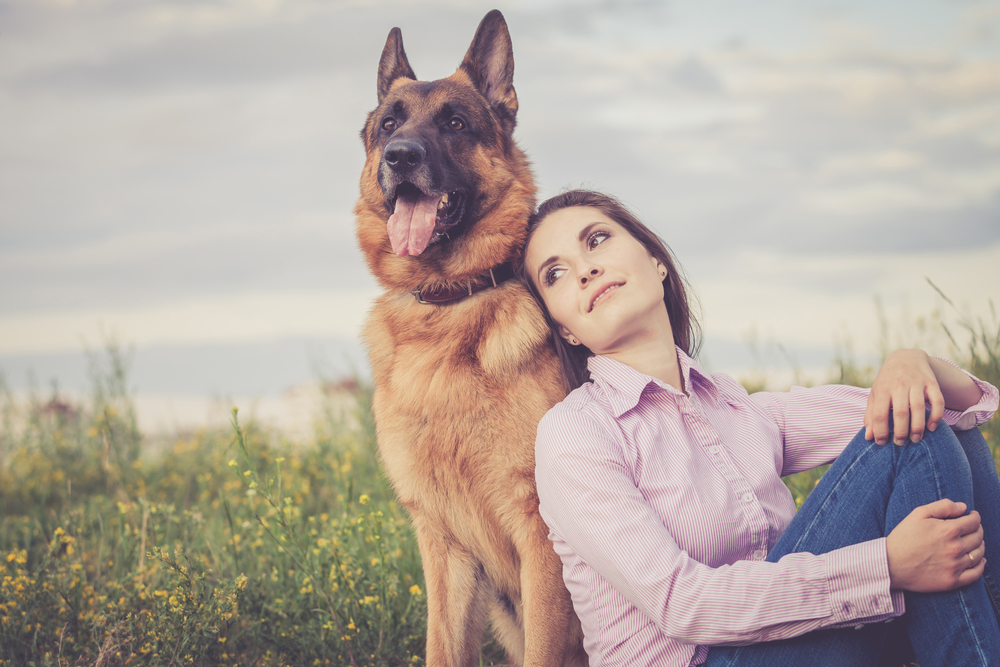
point(901, 418)
point(903, 388)
point(972, 574)
point(908, 407)
point(947, 509)
point(907, 412)
point(936, 399)
point(916, 414)
point(975, 554)
point(880, 406)
point(968, 544)
point(964, 530)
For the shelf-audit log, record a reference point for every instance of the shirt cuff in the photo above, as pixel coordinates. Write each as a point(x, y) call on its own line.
point(859, 585)
point(978, 414)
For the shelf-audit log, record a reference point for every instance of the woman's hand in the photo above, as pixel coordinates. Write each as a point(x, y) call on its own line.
point(935, 548)
point(904, 385)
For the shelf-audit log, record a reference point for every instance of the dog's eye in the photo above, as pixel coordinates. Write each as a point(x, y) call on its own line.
point(596, 239)
point(456, 123)
point(389, 124)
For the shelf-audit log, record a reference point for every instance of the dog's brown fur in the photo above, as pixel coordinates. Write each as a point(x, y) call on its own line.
point(460, 387)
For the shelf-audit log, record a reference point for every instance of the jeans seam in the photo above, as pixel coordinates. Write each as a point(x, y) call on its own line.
point(991, 592)
point(844, 476)
point(971, 626)
point(934, 470)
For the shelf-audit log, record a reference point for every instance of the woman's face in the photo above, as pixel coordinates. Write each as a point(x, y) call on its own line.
point(599, 284)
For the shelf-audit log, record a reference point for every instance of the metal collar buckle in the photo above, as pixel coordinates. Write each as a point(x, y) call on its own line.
point(416, 295)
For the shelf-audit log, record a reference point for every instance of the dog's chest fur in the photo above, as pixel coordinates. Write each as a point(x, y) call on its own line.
point(477, 374)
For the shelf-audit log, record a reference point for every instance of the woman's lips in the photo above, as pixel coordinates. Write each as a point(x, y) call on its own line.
point(603, 294)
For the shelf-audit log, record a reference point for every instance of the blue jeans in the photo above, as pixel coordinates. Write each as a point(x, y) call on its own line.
point(866, 492)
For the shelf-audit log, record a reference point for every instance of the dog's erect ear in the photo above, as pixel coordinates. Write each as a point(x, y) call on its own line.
point(490, 62)
point(393, 64)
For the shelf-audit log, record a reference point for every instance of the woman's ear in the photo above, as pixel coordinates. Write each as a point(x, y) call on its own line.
point(567, 336)
point(661, 269)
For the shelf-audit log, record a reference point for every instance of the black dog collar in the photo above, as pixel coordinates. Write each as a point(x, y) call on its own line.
point(449, 293)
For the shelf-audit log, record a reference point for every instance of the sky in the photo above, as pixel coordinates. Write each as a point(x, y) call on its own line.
point(178, 176)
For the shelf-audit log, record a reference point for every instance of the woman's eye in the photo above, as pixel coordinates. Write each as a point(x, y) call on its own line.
point(389, 124)
point(456, 123)
point(596, 239)
point(553, 274)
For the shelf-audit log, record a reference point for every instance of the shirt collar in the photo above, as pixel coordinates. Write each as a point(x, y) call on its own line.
point(624, 386)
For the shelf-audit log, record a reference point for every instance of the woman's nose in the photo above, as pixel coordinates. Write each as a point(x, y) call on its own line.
point(589, 275)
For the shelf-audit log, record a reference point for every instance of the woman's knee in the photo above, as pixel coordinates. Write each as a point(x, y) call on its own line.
point(939, 449)
point(944, 447)
point(936, 467)
point(974, 445)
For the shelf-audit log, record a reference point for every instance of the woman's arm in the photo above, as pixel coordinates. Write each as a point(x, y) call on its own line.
point(601, 522)
point(817, 422)
point(908, 381)
point(959, 390)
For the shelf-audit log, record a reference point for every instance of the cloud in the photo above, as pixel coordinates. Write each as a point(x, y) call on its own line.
point(251, 316)
point(168, 152)
point(238, 55)
point(153, 267)
point(843, 143)
point(811, 301)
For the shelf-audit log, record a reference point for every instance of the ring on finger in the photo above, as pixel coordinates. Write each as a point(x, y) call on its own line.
point(972, 559)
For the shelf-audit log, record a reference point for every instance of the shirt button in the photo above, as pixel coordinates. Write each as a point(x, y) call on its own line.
point(747, 497)
point(758, 555)
point(714, 449)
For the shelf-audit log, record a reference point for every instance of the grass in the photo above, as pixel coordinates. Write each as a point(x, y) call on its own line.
point(231, 546)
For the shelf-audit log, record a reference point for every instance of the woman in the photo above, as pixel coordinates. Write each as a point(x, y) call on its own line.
point(661, 484)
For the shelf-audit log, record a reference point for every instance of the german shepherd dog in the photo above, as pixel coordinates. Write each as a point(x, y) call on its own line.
point(460, 353)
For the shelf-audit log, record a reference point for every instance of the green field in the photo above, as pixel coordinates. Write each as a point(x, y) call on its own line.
point(224, 547)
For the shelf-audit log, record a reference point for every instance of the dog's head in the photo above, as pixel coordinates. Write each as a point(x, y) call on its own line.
point(445, 192)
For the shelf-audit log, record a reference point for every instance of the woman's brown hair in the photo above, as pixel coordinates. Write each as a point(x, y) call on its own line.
point(686, 330)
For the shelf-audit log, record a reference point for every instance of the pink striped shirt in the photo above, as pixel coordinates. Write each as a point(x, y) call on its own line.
point(663, 506)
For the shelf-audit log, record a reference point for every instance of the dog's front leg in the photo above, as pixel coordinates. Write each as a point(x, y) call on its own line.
point(552, 630)
point(456, 604)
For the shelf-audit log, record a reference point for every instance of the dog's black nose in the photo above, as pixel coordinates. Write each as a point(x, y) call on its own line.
point(404, 154)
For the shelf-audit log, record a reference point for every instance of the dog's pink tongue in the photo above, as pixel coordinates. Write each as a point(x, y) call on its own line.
point(412, 224)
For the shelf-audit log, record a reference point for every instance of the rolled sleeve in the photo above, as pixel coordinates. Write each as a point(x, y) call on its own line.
point(975, 415)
